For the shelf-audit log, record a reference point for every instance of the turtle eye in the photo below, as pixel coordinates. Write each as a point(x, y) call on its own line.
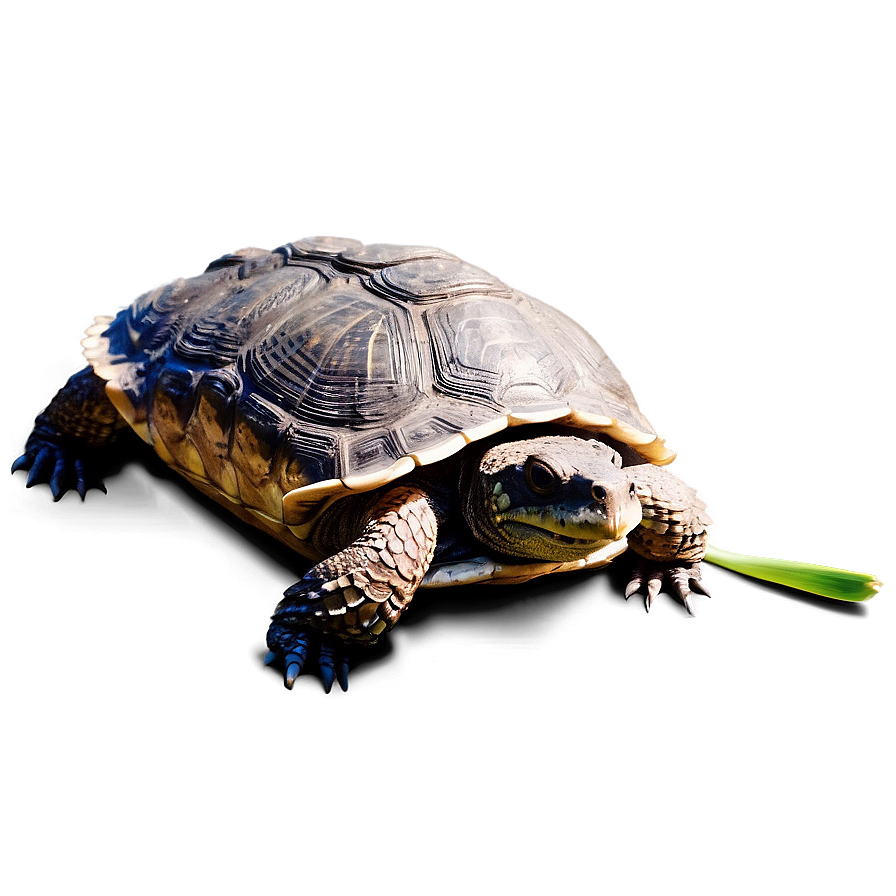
point(540, 477)
point(631, 490)
point(599, 493)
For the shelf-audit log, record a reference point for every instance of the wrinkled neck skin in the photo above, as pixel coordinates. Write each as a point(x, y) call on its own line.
point(549, 498)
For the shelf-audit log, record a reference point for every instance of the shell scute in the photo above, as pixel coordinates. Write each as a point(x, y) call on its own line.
point(168, 405)
point(345, 360)
point(431, 279)
point(320, 247)
point(209, 431)
point(426, 430)
point(173, 395)
point(210, 427)
point(381, 255)
point(257, 435)
point(492, 351)
point(375, 452)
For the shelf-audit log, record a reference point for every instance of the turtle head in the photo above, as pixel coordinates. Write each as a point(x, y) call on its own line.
point(550, 498)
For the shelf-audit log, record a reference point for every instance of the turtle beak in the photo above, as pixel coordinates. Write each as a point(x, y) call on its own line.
point(616, 526)
point(622, 516)
point(625, 518)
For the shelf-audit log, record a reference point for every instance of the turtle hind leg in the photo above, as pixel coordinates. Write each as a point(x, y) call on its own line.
point(74, 437)
point(351, 598)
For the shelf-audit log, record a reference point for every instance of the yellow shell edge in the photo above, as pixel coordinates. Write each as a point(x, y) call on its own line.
point(439, 452)
point(364, 483)
point(521, 416)
point(651, 447)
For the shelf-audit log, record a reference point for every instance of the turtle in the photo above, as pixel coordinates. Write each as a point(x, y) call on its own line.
point(401, 418)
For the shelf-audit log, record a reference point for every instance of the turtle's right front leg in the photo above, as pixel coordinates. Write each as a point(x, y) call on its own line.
point(671, 540)
point(70, 444)
point(352, 597)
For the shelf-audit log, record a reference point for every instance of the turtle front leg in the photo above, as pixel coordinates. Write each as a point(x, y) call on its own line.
point(671, 540)
point(355, 595)
point(70, 444)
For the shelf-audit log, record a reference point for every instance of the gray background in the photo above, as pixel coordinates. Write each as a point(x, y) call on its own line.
point(709, 188)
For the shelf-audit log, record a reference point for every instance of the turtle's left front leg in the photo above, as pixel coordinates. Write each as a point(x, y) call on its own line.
point(671, 540)
point(359, 592)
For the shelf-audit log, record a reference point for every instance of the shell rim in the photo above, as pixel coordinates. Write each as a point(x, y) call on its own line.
point(648, 445)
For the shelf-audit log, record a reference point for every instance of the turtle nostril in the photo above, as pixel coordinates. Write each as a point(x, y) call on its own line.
point(599, 493)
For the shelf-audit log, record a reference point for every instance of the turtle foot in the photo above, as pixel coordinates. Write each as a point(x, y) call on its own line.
point(290, 645)
point(54, 462)
point(681, 580)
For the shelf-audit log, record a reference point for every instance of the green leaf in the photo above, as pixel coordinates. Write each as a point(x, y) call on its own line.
point(827, 581)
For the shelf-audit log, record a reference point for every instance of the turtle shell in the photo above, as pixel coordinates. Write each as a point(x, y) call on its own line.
point(279, 381)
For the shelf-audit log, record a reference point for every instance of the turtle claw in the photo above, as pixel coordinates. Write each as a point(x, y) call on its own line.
point(57, 479)
point(342, 673)
point(81, 479)
point(43, 461)
point(682, 581)
point(698, 586)
point(332, 664)
point(326, 665)
point(56, 464)
point(292, 673)
point(290, 646)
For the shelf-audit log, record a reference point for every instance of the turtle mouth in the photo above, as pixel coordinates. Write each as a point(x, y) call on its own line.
point(529, 530)
point(577, 528)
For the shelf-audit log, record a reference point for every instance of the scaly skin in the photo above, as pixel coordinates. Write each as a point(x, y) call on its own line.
point(671, 540)
point(359, 592)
